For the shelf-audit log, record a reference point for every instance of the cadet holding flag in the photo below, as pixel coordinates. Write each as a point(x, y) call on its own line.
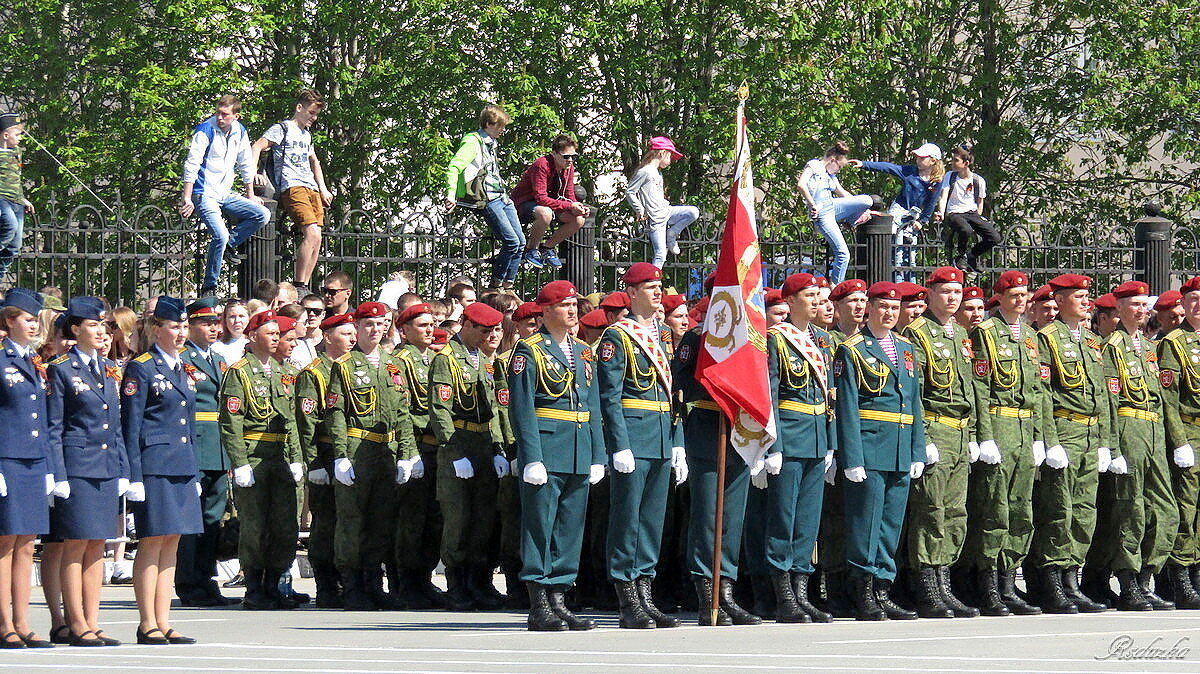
point(560, 451)
point(881, 447)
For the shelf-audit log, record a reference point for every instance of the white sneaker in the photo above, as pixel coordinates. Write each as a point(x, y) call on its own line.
point(672, 242)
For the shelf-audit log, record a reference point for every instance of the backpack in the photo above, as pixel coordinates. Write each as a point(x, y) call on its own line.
point(273, 168)
point(476, 188)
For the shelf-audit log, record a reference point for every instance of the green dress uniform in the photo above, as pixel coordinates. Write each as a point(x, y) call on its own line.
point(197, 554)
point(258, 429)
point(316, 444)
point(881, 429)
point(1065, 516)
point(1179, 375)
point(369, 423)
point(508, 495)
point(937, 502)
point(462, 408)
point(831, 539)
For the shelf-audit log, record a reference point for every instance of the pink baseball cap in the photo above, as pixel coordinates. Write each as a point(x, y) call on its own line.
point(664, 143)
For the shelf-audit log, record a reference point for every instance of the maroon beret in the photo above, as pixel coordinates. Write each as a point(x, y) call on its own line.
point(1011, 279)
point(336, 320)
point(1070, 282)
point(847, 288)
point(483, 315)
point(946, 275)
point(260, 319)
point(370, 310)
point(555, 292)
point(412, 312)
point(527, 310)
point(1131, 289)
point(641, 272)
point(885, 290)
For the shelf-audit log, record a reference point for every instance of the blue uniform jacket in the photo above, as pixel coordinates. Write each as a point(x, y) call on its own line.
point(794, 380)
point(85, 418)
point(546, 398)
point(157, 418)
point(868, 385)
point(207, 378)
point(629, 386)
point(23, 414)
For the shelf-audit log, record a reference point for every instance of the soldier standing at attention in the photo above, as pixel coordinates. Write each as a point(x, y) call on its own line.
point(1065, 510)
point(1179, 374)
point(373, 450)
point(937, 514)
point(881, 442)
point(1013, 427)
point(644, 441)
point(1139, 519)
point(316, 442)
point(560, 451)
point(289, 335)
point(462, 410)
point(258, 429)
point(971, 311)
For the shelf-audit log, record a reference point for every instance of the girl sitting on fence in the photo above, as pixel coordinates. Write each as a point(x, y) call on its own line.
point(648, 199)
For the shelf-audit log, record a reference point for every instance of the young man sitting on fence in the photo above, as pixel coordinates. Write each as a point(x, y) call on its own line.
point(545, 193)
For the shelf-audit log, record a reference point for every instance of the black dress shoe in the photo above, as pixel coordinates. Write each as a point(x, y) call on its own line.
point(5, 643)
point(35, 643)
point(108, 641)
point(60, 635)
point(174, 637)
point(82, 640)
point(145, 639)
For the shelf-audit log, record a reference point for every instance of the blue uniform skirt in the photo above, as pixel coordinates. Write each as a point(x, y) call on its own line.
point(171, 507)
point(92, 512)
point(25, 511)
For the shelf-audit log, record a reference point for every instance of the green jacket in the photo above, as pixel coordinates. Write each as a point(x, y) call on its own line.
point(1132, 377)
point(460, 391)
point(312, 390)
point(944, 358)
point(869, 386)
point(257, 417)
point(1008, 374)
point(796, 384)
point(1179, 376)
point(415, 367)
point(207, 378)
point(1076, 382)
point(637, 406)
point(368, 405)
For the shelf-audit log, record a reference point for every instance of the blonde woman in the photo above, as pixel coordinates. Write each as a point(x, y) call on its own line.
point(122, 322)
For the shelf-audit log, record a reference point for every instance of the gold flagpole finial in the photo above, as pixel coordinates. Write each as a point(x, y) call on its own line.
point(743, 91)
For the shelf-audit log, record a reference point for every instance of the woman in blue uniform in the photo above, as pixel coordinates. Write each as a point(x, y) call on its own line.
point(158, 400)
point(26, 472)
point(85, 432)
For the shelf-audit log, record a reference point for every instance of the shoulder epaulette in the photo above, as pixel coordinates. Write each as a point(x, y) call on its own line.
point(144, 358)
point(917, 323)
point(1050, 330)
point(1116, 338)
point(183, 348)
point(580, 342)
point(61, 359)
point(535, 339)
point(313, 366)
point(447, 350)
point(240, 364)
point(344, 357)
point(987, 324)
point(851, 341)
point(401, 354)
point(1175, 334)
point(902, 338)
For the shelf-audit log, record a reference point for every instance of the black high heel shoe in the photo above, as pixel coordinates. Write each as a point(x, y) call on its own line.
point(178, 638)
point(81, 640)
point(145, 639)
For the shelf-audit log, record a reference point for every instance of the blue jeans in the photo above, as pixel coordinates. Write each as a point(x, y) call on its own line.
point(680, 217)
point(12, 230)
point(904, 237)
point(250, 217)
point(830, 212)
point(501, 216)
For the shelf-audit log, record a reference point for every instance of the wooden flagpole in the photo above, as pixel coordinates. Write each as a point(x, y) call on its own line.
point(719, 519)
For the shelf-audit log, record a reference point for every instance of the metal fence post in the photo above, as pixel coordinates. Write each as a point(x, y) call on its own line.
point(1152, 235)
point(873, 252)
point(580, 266)
point(260, 254)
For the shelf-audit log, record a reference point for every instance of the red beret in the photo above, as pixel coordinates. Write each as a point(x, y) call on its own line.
point(1070, 282)
point(972, 293)
point(617, 300)
point(412, 312)
point(1191, 285)
point(847, 288)
point(992, 302)
point(946, 275)
point(911, 292)
point(482, 315)
point(370, 310)
point(709, 281)
point(702, 305)
point(440, 337)
point(1106, 301)
point(797, 282)
point(336, 320)
point(260, 319)
point(1168, 300)
point(1011, 279)
point(1131, 289)
point(555, 292)
point(594, 319)
point(772, 297)
point(285, 323)
point(527, 310)
point(641, 272)
point(672, 302)
point(883, 290)
point(1042, 294)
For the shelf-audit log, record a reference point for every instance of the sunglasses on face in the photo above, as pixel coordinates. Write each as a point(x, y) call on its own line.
point(333, 291)
point(569, 157)
point(315, 311)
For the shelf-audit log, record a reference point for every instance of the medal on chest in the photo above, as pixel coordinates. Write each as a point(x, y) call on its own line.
point(13, 376)
point(908, 361)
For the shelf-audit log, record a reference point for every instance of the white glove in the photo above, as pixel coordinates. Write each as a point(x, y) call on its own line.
point(136, 492)
point(856, 474)
point(973, 450)
point(49, 484)
point(1184, 456)
point(1039, 453)
point(596, 473)
point(62, 489)
point(403, 470)
point(243, 476)
point(1118, 466)
point(830, 467)
point(622, 461)
point(464, 469)
point(774, 462)
point(417, 468)
point(501, 465)
point(318, 476)
point(3, 486)
point(1103, 459)
point(535, 473)
point(1056, 457)
point(512, 467)
point(915, 469)
point(297, 472)
point(989, 453)
point(343, 471)
point(679, 463)
point(759, 479)
point(758, 467)
point(199, 490)
point(122, 486)
point(931, 454)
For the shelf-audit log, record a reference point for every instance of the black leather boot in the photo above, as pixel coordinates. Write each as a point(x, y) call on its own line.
point(410, 592)
point(542, 617)
point(739, 615)
point(800, 583)
point(1194, 575)
point(893, 610)
point(787, 609)
point(271, 578)
point(928, 595)
point(372, 585)
point(633, 614)
point(1145, 579)
point(458, 597)
point(1097, 585)
point(704, 590)
point(559, 606)
point(863, 594)
point(353, 596)
point(479, 584)
point(1054, 598)
point(645, 588)
point(1070, 576)
point(959, 609)
point(764, 597)
point(1186, 596)
point(990, 603)
point(256, 598)
point(514, 598)
point(1131, 597)
point(1007, 581)
point(395, 589)
point(838, 588)
point(329, 591)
